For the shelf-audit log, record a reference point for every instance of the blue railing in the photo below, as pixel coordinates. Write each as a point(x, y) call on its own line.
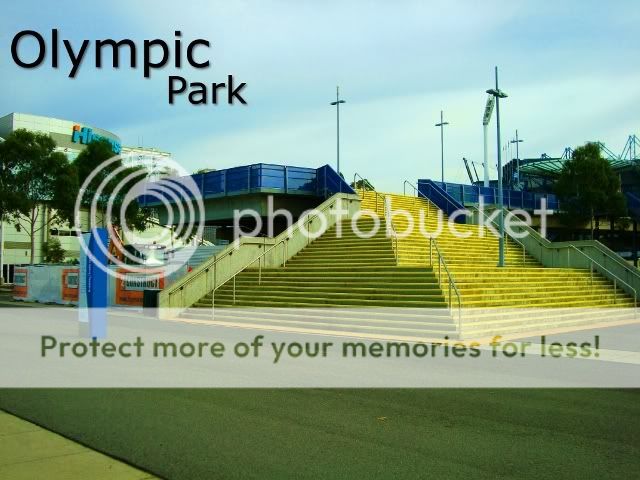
point(445, 202)
point(470, 195)
point(266, 178)
point(330, 183)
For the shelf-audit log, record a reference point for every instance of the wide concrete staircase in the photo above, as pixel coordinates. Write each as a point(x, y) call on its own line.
point(391, 287)
point(339, 283)
point(484, 287)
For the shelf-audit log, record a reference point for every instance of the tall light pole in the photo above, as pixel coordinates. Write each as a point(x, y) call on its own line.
point(498, 94)
point(488, 111)
point(337, 105)
point(441, 125)
point(517, 141)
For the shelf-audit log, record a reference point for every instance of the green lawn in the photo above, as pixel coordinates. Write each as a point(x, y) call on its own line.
point(350, 433)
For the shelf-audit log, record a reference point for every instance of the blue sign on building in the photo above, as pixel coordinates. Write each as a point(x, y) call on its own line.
point(85, 136)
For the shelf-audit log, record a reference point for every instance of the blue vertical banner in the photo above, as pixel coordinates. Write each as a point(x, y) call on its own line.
point(83, 314)
point(96, 280)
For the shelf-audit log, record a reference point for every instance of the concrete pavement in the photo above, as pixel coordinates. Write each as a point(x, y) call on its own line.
point(28, 451)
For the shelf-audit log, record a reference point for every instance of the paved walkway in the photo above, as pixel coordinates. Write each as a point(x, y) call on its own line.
point(28, 451)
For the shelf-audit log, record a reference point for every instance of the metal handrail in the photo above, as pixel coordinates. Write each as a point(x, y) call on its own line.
point(364, 182)
point(378, 194)
point(452, 283)
point(603, 251)
point(243, 268)
point(419, 194)
point(445, 198)
point(616, 278)
point(216, 259)
point(616, 259)
point(307, 219)
point(206, 267)
point(364, 190)
point(415, 189)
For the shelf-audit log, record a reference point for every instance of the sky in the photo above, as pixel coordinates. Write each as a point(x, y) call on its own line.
point(570, 69)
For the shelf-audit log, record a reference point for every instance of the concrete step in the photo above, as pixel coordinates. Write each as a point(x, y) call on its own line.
point(293, 299)
point(324, 325)
point(314, 292)
point(317, 302)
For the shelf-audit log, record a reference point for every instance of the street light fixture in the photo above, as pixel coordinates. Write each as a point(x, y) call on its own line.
point(337, 105)
point(498, 94)
point(441, 125)
point(517, 141)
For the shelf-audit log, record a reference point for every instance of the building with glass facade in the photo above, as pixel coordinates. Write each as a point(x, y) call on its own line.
point(71, 138)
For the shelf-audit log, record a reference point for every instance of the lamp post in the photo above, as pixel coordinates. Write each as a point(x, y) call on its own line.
point(337, 105)
point(441, 125)
point(517, 141)
point(488, 111)
point(498, 94)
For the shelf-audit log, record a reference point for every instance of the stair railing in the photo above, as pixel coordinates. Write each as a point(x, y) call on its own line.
point(418, 192)
point(394, 233)
point(260, 258)
point(366, 183)
point(453, 288)
point(616, 279)
point(450, 206)
point(592, 263)
point(201, 281)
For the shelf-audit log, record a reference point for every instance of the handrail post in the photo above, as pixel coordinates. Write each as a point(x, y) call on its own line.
point(395, 238)
point(234, 289)
point(450, 308)
point(213, 292)
point(431, 251)
point(615, 291)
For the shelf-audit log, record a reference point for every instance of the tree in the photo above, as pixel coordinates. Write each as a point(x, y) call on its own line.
point(9, 191)
point(362, 185)
point(588, 187)
point(93, 158)
point(204, 170)
point(46, 183)
point(53, 252)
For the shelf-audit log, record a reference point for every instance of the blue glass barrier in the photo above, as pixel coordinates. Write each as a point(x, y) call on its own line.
point(266, 178)
point(470, 194)
point(330, 183)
